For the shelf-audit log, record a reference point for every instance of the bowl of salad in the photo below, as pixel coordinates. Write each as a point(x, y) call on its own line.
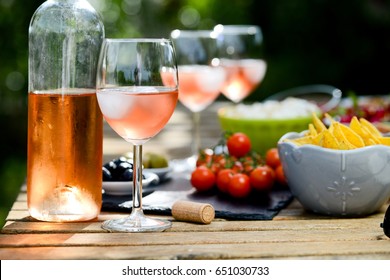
point(265, 122)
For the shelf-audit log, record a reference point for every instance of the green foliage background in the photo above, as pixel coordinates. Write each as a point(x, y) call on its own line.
point(342, 43)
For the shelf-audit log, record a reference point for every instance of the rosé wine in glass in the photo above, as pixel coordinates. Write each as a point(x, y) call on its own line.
point(124, 108)
point(240, 53)
point(201, 79)
point(199, 85)
point(137, 91)
point(243, 76)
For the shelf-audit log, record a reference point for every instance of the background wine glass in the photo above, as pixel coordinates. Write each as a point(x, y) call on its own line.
point(200, 77)
point(137, 102)
point(240, 53)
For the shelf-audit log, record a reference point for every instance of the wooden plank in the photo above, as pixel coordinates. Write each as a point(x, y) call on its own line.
point(19, 205)
point(22, 196)
point(183, 238)
point(17, 227)
point(293, 211)
point(263, 250)
point(17, 215)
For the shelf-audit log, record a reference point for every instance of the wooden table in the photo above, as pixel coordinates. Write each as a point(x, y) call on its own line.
point(292, 234)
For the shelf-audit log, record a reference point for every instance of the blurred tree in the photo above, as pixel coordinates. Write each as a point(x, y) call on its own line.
point(14, 21)
point(341, 43)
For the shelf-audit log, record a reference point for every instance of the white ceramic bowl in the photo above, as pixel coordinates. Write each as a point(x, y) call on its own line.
point(337, 182)
point(125, 187)
point(163, 173)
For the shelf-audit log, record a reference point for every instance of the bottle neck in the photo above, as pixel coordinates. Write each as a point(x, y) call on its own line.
point(64, 43)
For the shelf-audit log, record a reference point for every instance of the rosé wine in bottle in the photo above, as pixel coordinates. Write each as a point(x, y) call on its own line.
point(243, 76)
point(199, 85)
point(65, 125)
point(137, 114)
point(64, 165)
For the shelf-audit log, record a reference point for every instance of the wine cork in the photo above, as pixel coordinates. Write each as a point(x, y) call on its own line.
point(189, 211)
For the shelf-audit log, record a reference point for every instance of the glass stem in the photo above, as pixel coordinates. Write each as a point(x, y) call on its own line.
point(196, 133)
point(137, 178)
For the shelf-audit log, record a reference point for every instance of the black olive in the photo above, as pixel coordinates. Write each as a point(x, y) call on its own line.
point(117, 167)
point(125, 165)
point(120, 160)
point(120, 169)
point(106, 174)
point(111, 165)
point(127, 175)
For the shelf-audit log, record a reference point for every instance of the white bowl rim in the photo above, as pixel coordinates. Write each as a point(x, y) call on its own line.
point(125, 187)
point(295, 135)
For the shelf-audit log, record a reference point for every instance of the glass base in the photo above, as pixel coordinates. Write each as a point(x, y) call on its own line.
point(136, 222)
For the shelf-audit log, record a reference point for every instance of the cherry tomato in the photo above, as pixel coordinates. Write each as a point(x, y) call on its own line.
point(239, 185)
point(223, 179)
point(204, 157)
point(262, 178)
point(279, 175)
point(218, 163)
point(202, 178)
point(238, 144)
point(220, 159)
point(248, 164)
point(215, 168)
point(272, 158)
point(248, 168)
point(238, 167)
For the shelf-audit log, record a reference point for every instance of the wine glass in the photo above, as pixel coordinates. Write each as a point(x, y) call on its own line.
point(137, 91)
point(240, 53)
point(200, 77)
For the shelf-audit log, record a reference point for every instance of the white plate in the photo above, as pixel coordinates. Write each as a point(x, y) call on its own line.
point(126, 187)
point(162, 173)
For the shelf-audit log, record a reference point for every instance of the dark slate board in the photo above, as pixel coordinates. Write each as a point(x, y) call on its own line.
point(159, 200)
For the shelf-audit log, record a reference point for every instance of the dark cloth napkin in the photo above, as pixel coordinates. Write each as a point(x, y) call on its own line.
point(159, 200)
